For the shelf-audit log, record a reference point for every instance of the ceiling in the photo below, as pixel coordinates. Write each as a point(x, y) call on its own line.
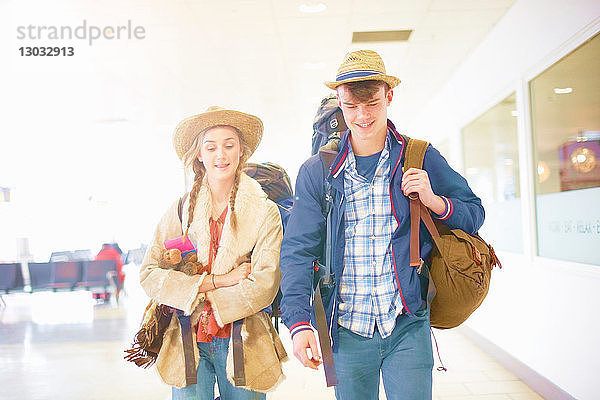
point(110, 110)
point(261, 56)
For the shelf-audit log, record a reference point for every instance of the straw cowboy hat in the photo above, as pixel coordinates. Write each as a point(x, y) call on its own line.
point(250, 126)
point(362, 65)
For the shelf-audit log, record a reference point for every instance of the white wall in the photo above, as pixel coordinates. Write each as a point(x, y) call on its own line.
point(543, 312)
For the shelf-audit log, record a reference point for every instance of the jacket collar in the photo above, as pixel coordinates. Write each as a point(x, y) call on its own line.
point(249, 191)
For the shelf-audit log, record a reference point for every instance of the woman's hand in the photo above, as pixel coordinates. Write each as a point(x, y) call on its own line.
point(234, 276)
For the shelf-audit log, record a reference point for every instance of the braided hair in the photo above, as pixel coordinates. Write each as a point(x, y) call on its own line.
point(232, 197)
point(190, 159)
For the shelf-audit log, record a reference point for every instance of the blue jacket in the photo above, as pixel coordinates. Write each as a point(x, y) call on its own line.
point(305, 232)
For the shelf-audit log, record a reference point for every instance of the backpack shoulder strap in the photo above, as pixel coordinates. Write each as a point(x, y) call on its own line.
point(413, 158)
point(327, 156)
point(415, 153)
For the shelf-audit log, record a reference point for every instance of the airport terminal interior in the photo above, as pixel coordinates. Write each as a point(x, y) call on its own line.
point(507, 90)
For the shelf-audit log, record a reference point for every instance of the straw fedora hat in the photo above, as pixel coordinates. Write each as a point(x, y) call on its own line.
point(187, 130)
point(362, 65)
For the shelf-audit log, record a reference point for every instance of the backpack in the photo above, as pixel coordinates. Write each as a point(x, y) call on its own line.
point(328, 125)
point(276, 183)
point(460, 264)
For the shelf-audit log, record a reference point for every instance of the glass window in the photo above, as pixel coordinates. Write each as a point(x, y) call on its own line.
point(565, 112)
point(491, 165)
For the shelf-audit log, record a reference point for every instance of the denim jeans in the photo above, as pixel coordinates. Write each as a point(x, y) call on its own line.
point(404, 359)
point(212, 363)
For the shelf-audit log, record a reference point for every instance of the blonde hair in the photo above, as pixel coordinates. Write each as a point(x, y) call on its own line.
point(190, 159)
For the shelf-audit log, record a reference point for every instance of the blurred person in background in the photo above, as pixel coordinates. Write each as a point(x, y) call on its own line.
point(112, 251)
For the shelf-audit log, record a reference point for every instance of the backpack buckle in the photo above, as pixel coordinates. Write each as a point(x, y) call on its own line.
point(420, 267)
point(477, 255)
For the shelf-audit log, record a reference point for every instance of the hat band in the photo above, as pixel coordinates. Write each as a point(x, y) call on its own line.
point(356, 74)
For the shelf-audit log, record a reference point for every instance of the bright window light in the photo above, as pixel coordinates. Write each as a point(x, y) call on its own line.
point(563, 90)
point(312, 8)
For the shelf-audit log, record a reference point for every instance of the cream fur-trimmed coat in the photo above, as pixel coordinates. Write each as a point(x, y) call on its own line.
point(259, 231)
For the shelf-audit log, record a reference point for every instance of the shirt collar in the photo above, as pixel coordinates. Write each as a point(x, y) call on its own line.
point(351, 160)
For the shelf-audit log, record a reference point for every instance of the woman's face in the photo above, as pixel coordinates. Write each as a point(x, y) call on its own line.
point(220, 152)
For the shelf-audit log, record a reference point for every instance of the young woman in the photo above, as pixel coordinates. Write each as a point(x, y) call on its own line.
point(227, 217)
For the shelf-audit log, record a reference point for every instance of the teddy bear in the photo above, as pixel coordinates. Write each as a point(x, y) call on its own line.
point(189, 265)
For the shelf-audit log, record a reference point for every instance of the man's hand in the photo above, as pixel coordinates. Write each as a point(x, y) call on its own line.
point(417, 181)
point(304, 340)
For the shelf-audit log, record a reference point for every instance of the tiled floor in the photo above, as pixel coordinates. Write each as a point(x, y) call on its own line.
point(64, 346)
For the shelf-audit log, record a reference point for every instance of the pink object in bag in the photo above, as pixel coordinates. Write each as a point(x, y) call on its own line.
point(185, 246)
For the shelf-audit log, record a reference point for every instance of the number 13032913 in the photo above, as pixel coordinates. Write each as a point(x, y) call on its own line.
point(46, 51)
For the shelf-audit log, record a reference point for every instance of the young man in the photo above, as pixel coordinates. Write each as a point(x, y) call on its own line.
point(379, 320)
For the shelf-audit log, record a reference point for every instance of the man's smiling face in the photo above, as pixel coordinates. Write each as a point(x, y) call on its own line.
point(367, 119)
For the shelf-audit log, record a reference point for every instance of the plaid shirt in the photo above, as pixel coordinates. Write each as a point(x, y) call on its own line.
point(368, 290)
